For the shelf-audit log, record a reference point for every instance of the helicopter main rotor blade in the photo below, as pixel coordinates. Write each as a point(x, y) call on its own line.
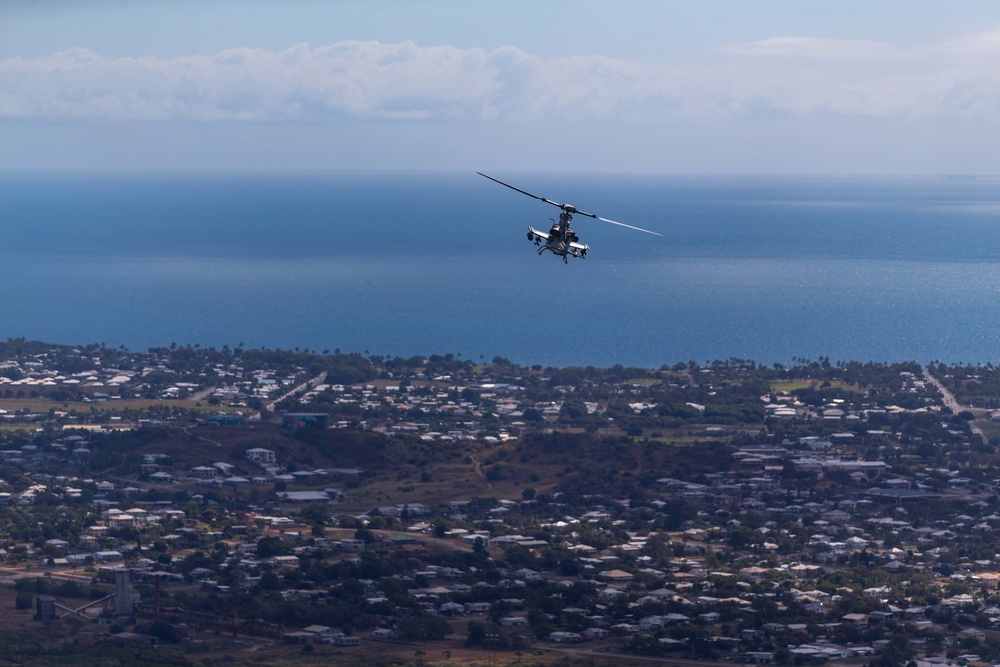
point(523, 192)
point(615, 222)
point(572, 210)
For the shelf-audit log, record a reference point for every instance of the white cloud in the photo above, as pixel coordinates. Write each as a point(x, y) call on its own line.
point(778, 77)
point(815, 47)
point(980, 45)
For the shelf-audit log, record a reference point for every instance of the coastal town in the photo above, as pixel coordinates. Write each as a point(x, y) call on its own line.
point(438, 510)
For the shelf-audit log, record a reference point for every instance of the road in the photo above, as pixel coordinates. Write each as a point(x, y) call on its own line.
point(478, 466)
point(953, 405)
point(9, 574)
point(305, 386)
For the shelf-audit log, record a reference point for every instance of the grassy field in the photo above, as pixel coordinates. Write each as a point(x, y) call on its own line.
point(991, 429)
point(42, 404)
point(788, 386)
point(98, 412)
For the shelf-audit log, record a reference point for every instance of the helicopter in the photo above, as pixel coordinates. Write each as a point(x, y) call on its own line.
point(561, 240)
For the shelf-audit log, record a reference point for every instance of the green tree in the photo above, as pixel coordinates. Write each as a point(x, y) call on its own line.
point(475, 633)
point(23, 600)
point(271, 546)
point(164, 632)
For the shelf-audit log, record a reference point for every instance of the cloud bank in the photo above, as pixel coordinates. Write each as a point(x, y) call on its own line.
point(773, 78)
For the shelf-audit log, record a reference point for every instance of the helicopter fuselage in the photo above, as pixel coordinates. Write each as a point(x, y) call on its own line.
point(560, 240)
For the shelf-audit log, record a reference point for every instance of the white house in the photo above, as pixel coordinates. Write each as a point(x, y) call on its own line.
point(261, 456)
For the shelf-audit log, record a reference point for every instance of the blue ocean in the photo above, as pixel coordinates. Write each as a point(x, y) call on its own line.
point(761, 268)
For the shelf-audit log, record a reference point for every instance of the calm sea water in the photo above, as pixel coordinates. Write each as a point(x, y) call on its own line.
point(401, 264)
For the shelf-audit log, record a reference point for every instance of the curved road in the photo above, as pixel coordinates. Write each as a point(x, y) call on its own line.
point(478, 467)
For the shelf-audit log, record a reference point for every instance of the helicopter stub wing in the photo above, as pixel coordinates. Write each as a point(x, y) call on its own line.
point(534, 233)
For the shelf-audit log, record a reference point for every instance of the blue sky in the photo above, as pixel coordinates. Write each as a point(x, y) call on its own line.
point(662, 86)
